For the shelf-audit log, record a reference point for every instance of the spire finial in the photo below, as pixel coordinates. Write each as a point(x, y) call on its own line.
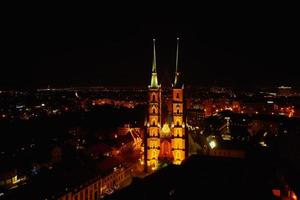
point(154, 57)
point(154, 81)
point(177, 55)
point(177, 80)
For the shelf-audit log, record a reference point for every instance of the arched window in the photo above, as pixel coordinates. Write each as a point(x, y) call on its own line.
point(177, 95)
point(153, 110)
point(177, 123)
point(153, 123)
point(177, 111)
point(153, 97)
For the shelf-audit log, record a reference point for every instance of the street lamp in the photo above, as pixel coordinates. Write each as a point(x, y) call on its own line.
point(212, 144)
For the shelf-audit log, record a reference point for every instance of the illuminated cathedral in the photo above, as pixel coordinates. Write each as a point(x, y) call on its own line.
point(166, 137)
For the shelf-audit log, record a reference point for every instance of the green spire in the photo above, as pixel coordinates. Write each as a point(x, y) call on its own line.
point(177, 55)
point(154, 58)
point(154, 82)
point(177, 81)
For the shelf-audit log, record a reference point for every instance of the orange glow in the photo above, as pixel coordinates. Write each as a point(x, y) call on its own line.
point(276, 192)
point(166, 149)
point(294, 196)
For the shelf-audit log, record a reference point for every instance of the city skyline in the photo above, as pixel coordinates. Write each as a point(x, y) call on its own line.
point(120, 54)
point(111, 105)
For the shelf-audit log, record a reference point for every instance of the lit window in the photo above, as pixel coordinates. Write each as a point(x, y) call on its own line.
point(153, 123)
point(14, 179)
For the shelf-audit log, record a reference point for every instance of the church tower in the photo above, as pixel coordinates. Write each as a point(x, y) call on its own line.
point(178, 122)
point(154, 118)
point(165, 143)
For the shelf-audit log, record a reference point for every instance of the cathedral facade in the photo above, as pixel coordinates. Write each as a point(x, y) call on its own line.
point(166, 137)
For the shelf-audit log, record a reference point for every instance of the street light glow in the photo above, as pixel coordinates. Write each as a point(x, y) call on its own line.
point(212, 144)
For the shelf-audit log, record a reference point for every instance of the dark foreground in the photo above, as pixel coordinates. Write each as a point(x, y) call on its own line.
point(209, 178)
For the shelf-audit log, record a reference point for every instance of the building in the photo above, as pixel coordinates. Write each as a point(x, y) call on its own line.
point(114, 174)
point(165, 140)
point(9, 179)
point(195, 116)
point(285, 91)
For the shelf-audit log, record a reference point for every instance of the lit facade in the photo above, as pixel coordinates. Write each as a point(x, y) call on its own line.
point(96, 188)
point(165, 142)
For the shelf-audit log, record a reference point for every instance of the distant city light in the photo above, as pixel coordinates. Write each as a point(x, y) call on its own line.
point(284, 87)
point(262, 143)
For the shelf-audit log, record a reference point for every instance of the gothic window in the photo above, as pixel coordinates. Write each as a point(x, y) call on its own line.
point(153, 132)
point(153, 97)
point(177, 111)
point(153, 110)
point(153, 123)
point(177, 95)
point(177, 123)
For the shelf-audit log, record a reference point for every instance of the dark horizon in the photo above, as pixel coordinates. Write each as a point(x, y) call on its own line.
point(238, 54)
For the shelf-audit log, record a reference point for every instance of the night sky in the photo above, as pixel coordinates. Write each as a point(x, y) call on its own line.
point(214, 50)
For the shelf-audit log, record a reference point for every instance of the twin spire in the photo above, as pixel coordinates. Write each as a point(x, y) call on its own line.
point(177, 80)
point(154, 81)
